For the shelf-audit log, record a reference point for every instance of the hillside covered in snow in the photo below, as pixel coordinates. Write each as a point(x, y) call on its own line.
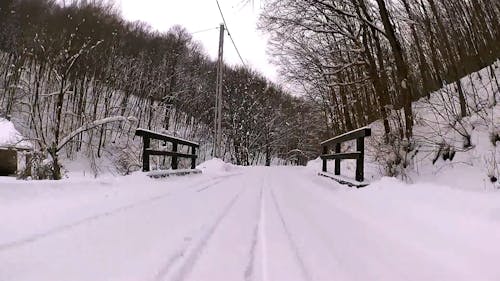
point(446, 149)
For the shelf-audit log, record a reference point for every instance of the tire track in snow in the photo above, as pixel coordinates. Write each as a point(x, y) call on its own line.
point(309, 214)
point(295, 249)
point(249, 271)
point(172, 259)
point(224, 178)
point(311, 221)
point(192, 255)
point(66, 227)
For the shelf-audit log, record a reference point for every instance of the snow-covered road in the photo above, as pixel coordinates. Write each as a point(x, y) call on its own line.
point(279, 223)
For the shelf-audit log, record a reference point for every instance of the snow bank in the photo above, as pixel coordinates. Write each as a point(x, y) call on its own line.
point(81, 167)
point(216, 166)
point(314, 164)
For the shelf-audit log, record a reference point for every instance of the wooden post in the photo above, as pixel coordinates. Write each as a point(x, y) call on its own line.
point(145, 154)
point(359, 155)
point(325, 151)
point(193, 160)
point(218, 96)
point(337, 161)
point(174, 158)
point(147, 135)
point(360, 146)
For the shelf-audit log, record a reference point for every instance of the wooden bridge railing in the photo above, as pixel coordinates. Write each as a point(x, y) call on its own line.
point(359, 155)
point(147, 135)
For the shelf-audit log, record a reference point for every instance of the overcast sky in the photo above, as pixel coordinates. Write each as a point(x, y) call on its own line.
point(196, 15)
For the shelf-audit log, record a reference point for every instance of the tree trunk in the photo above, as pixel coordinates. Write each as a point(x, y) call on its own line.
point(404, 82)
point(57, 131)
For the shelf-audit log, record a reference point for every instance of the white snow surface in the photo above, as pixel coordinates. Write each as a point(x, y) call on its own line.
point(216, 166)
point(255, 223)
point(10, 137)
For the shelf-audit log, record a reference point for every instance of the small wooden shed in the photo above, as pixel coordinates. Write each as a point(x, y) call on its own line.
point(14, 149)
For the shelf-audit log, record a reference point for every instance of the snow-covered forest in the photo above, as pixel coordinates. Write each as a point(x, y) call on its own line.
point(362, 59)
point(77, 80)
point(65, 67)
point(359, 61)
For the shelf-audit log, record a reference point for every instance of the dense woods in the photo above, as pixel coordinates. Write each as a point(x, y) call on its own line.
point(80, 79)
point(361, 59)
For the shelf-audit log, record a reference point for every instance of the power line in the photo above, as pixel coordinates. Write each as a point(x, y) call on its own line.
point(228, 33)
point(204, 30)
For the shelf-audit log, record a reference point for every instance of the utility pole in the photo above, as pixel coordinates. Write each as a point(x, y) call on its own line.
point(218, 97)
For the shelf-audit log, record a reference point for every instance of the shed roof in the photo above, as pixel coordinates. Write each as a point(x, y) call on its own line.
point(10, 137)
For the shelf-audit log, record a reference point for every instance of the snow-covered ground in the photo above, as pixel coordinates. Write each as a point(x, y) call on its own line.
point(255, 223)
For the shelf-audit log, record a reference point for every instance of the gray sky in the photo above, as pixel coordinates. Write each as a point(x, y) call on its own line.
point(196, 15)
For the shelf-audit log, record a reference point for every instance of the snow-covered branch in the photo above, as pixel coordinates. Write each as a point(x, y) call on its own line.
point(92, 125)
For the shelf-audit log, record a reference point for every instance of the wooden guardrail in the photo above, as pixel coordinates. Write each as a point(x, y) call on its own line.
point(147, 135)
point(359, 155)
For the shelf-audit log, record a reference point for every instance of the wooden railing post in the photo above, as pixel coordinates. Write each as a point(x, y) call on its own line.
point(337, 161)
point(360, 146)
point(145, 154)
point(147, 135)
point(325, 151)
point(174, 158)
point(193, 160)
point(358, 155)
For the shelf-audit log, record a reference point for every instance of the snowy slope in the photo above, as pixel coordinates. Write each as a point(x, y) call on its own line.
point(235, 223)
point(472, 167)
point(439, 132)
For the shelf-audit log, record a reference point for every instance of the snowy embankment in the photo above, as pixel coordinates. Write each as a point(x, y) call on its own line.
point(462, 153)
point(254, 223)
point(459, 152)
